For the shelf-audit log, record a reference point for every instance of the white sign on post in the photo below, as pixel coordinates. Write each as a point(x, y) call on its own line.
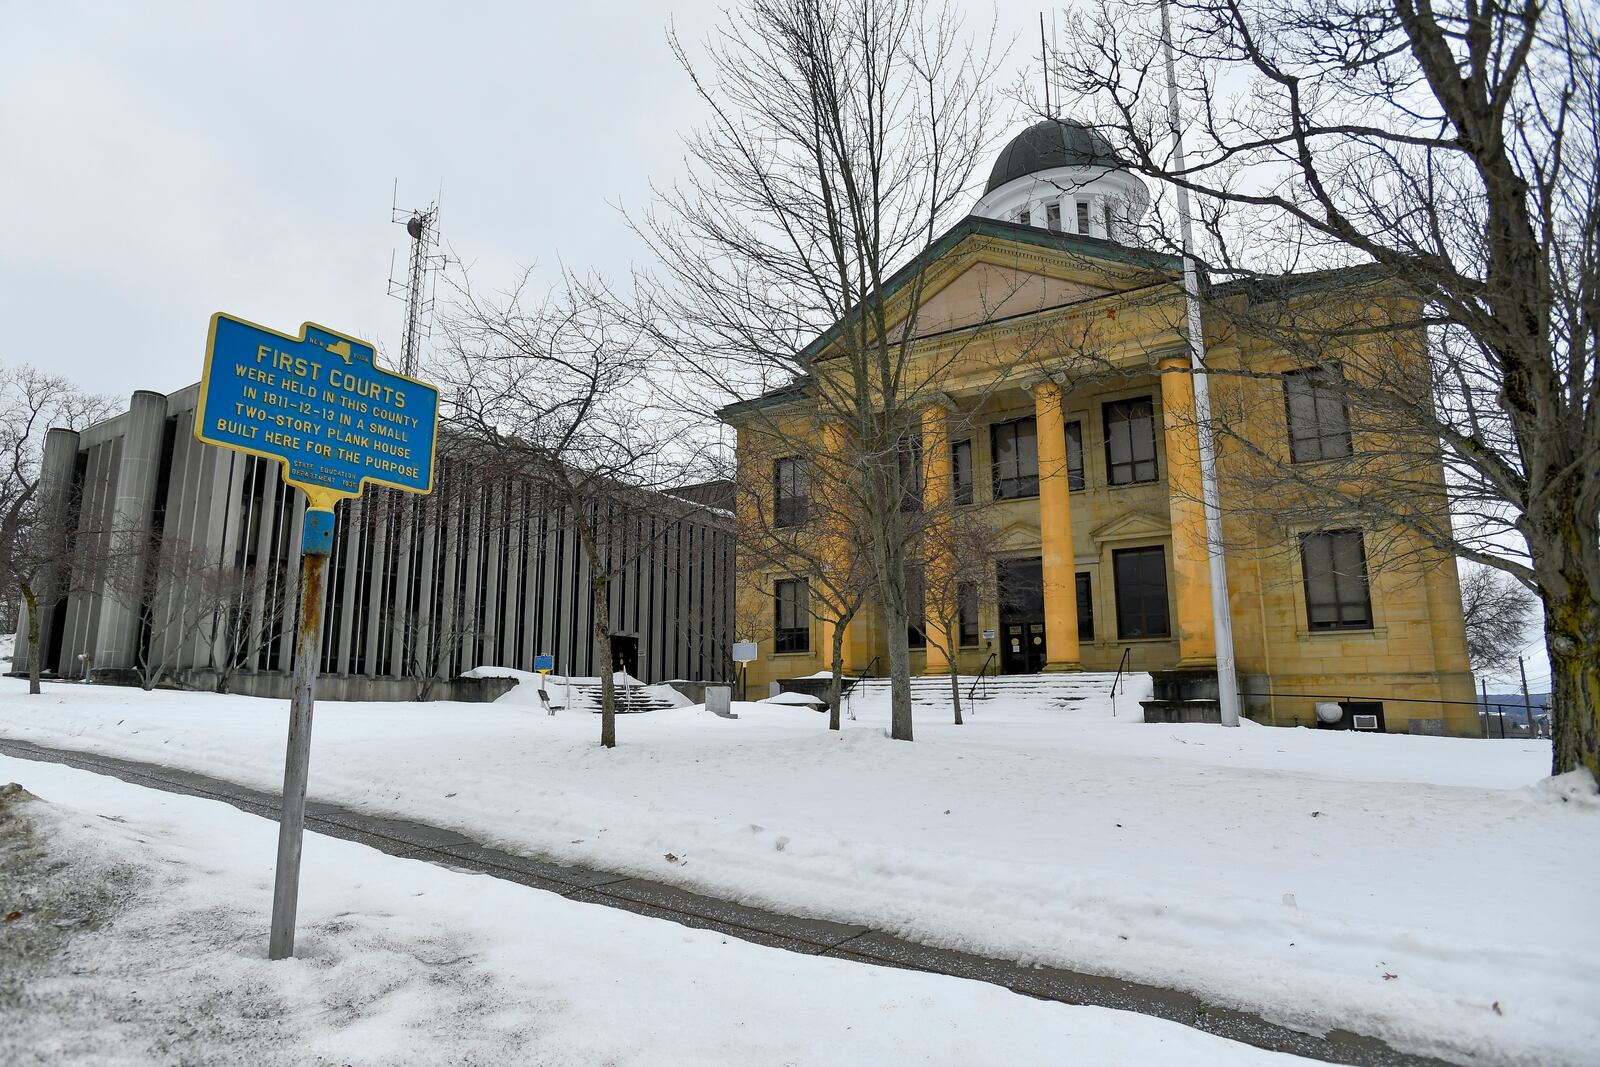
point(744, 652)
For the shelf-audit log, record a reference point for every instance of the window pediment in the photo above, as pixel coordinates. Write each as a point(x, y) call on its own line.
point(1017, 536)
point(1135, 525)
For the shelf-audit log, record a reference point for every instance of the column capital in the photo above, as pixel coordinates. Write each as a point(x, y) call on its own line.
point(1045, 382)
point(1172, 359)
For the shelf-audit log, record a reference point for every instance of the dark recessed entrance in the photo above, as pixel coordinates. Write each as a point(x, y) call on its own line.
point(1022, 641)
point(625, 655)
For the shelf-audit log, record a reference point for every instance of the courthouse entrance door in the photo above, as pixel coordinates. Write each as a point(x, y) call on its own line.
point(1022, 640)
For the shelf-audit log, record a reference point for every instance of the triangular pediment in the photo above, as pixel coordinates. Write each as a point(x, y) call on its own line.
point(1019, 535)
point(1133, 525)
point(984, 271)
point(982, 290)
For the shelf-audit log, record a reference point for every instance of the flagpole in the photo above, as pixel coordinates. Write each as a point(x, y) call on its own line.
point(1221, 617)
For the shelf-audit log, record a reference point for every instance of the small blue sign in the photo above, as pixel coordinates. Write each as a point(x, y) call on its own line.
point(544, 663)
point(317, 404)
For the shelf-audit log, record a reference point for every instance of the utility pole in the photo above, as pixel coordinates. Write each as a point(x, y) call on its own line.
point(1221, 617)
point(1533, 727)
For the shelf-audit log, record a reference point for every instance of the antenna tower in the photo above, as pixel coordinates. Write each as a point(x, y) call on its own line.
point(416, 289)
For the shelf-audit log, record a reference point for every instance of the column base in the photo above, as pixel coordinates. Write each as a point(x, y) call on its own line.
point(1062, 668)
point(936, 669)
point(1195, 663)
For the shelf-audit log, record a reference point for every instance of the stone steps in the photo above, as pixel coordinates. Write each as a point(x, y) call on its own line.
point(934, 690)
point(629, 700)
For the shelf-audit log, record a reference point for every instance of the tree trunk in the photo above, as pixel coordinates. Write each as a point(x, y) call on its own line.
point(899, 675)
point(1572, 639)
point(602, 653)
point(33, 638)
point(955, 689)
point(836, 692)
point(889, 567)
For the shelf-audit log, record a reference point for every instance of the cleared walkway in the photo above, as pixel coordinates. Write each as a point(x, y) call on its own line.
point(400, 837)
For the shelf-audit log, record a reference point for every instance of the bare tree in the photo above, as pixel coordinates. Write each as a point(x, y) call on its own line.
point(843, 135)
point(553, 390)
point(784, 525)
point(1404, 198)
point(1497, 610)
point(959, 550)
point(33, 531)
point(250, 611)
point(174, 592)
point(430, 643)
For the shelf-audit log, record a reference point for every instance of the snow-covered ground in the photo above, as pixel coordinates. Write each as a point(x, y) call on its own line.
point(402, 962)
point(1427, 890)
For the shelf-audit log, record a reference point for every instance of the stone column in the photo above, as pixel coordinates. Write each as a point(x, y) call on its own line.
point(939, 563)
point(132, 506)
point(1191, 565)
point(1057, 558)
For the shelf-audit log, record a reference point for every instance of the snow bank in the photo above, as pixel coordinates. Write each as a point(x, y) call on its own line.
point(1283, 870)
point(401, 962)
point(529, 683)
point(800, 699)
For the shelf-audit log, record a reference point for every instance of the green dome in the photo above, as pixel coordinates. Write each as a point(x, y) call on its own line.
point(1047, 145)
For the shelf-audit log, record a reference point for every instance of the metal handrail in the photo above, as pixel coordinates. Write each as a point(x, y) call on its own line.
point(981, 672)
point(1120, 664)
point(866, 672)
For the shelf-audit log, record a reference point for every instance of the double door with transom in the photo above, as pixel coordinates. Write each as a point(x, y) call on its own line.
point(1022, 639)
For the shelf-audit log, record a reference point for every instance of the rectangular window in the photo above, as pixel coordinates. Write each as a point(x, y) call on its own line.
point(1319, 422)
point(916, 607)
point(1075, 455)
point(789, 491)
point(1083, 217)
point(1052, 217)
point(1130, 441)
point(1335, 566)
point(1015, 448)
point(792, 598)
point(967, 613)
point(1141, 584)
point(1109, 230)
point(910, 457)
point(1085, 607)
point(961, 472)
point(1025, 217)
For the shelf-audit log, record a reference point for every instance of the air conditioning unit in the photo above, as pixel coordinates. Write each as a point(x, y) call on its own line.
point(1363, 722)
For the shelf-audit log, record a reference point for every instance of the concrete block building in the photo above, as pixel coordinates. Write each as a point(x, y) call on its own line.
point(481, 572)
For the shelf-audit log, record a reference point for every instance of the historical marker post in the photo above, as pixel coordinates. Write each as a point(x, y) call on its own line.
point(317, 405)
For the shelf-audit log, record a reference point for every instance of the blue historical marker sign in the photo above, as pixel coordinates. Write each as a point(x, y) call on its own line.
point(317, 404)
point(543, 664)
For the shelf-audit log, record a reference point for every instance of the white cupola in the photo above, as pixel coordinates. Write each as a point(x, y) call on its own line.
point(1064, 177)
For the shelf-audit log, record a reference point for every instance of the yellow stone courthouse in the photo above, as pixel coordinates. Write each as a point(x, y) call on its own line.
point(1053, 419)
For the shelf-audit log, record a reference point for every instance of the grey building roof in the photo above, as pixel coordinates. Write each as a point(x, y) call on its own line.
point(1047, 145)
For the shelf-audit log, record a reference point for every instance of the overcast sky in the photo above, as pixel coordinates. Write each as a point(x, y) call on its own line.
point(163, 161)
